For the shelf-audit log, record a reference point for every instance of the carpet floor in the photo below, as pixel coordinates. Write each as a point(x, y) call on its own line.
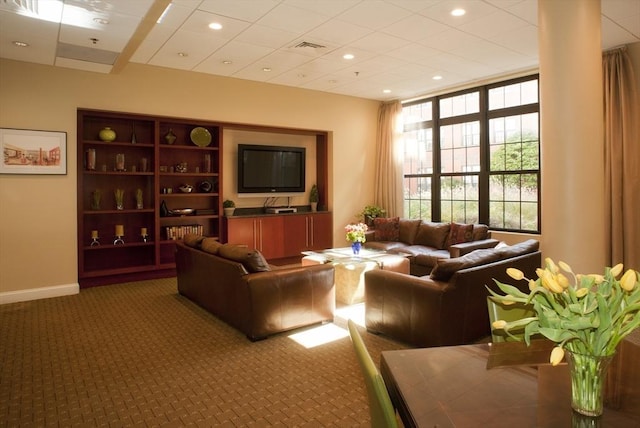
point(139, 354)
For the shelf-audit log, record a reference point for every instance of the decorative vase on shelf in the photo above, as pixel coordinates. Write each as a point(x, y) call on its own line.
point(355, 246)
point(170, 137)
point(107, 134)
point(588, 374)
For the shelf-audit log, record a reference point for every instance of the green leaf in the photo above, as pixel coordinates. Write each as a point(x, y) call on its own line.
point(556, 335)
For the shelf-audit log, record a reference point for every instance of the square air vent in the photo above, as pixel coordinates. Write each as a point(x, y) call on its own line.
point(309, 45)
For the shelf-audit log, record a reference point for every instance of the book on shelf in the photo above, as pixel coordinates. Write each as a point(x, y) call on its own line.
point(178, 232)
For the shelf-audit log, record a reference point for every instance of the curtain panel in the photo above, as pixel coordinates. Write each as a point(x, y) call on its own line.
point(388, 181)
point(622, 160)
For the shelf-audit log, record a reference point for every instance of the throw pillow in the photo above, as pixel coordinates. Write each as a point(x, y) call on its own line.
point(480, 232)
point(252, 260)
point(460, 233)
point(193, 241)
point(386, 229)
point(210, 245)
point(409, 230)
point(433, 235)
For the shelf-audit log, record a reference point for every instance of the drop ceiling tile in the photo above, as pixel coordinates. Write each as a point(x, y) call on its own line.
point(492, 24)
point(374, 14)
point(379, 43)
point(240, 54)
point(615, 35)
point(413, 52)
point(522, 40)
point(415, 27)
point(329, 8)
point(441, 12)
point(268, 37)
point(194, 45)
point(288, 18)
point(198, 22)
point(338, 32)
point(245, 10)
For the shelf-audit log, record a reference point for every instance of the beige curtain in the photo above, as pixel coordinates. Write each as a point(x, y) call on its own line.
point(622, 160)
point(388, 185)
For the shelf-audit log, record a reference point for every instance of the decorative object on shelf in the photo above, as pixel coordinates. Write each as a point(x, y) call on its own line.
point(96, 197)
point(588, 315)
point(228, 207)
point(164, 211)
point(143, 234)
point(356, 235)
point(179, 212)
point(139, 199)
point(170, 137)
point(91, 159)
point(119, 235)
point(107, 134)
point(207, 163)
point(144, 164)
point(186, 188)
point(134, 139)
point(120, 162)
point(167, 190)
point(200, 136)
point(95, 239)
point(370, 213)
point(205, 186)
point(119, 195)
point(313, 198)
point(181, 167)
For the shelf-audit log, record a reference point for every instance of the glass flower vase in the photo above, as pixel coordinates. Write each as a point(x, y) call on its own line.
point(588, 374)
point(355, 247)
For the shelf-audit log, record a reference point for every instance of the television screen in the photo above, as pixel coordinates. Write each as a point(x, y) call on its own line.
point(271, 169)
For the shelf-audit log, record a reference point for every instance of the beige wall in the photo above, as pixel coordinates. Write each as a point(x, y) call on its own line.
point(38, 213)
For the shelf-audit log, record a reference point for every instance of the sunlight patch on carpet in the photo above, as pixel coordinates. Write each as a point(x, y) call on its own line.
point(320, 335)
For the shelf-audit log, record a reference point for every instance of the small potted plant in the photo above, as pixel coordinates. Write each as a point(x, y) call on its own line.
point(229, 207)
point(313, 198)
point(371, 212)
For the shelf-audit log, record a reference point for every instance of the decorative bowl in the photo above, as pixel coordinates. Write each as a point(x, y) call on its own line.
point(186, 188)
point(182, 211)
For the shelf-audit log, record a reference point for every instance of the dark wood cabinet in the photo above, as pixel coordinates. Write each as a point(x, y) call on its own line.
point(148, 172)
point(282, 236)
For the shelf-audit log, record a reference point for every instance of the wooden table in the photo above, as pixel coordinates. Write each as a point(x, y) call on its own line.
point(503, 385)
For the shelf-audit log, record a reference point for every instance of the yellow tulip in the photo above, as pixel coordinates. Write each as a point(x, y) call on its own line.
point(532, 284)
point(615, 271)
point(551, 265)
point(628, 280)
point(515, 273)
point(499, 324)
point(562, 280)
point(581, 292)
point(557, 354)
point(565, 267)
point(539, 272)
point(598, 278)
point(550, 283)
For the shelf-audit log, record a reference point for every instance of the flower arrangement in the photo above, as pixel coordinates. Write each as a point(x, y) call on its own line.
point(356, 232)
point(585, 314)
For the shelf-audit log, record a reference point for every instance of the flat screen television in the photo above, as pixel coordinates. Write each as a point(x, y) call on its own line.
point(270, 170)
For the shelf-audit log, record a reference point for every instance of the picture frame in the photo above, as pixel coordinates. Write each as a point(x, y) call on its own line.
point(26, 151)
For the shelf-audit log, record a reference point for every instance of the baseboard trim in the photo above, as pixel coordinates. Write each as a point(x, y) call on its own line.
point(38, 293)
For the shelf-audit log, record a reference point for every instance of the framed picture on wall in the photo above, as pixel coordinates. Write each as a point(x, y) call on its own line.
point(26, 151)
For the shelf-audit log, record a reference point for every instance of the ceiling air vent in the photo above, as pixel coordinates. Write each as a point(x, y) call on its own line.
point(309, 45)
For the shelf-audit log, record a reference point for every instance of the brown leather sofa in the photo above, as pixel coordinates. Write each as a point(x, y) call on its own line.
point(236, 284)
point(448, 307)
point(424, 243)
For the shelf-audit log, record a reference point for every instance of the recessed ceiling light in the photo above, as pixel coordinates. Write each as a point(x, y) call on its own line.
point(386, 91)
point(348, 56)
point(101, 21)
point(215, 26)
point(437, 77)
point(227, 62)
point(458, 12)
point(20, 44)
point(183, 54)
point(266, 69)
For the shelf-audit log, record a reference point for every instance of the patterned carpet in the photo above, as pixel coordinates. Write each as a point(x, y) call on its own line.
point(139, 354)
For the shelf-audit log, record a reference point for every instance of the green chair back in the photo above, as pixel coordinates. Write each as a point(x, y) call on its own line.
point(380, 408)
point(498, 311)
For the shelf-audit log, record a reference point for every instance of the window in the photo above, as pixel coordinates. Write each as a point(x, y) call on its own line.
point(474, 156)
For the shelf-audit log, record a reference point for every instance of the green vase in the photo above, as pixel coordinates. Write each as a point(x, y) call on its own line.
point(588, 375)
point(107, 134)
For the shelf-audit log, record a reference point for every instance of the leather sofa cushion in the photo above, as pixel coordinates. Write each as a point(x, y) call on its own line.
point(409, 230)
point(385, 245)
point(445, 269)
point(480, 232)
point(459, 233)
point(252, 260)
point(210, 245)
point(432, 258)
point(433, 235)
point(386, 229)
point(525, 247)
point(192, 240)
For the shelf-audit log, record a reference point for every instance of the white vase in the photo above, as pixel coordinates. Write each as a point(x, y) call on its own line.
point(314, 206)
point(228, 212)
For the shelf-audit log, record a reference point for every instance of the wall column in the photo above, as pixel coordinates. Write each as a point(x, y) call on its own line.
point(572, 133)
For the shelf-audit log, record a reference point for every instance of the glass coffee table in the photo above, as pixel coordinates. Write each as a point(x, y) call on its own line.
point(350, 268)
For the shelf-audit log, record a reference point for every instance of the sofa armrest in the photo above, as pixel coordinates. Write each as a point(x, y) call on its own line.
point(463, 248)
point(407, 308)
point(288, 298)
